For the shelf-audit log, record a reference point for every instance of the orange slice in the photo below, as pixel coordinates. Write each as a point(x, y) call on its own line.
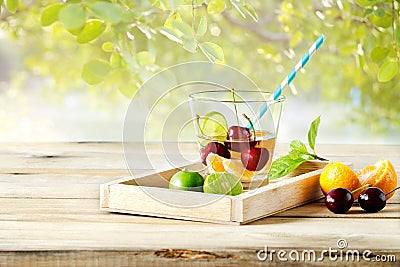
point(214, 163)
point(235, 167)
point(382, 174)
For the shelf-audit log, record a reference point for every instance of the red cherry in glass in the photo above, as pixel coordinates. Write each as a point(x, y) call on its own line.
point(239, 146)
point(255, 158)
point(216, 148)
point(238, 133)
point(339, 200)
point(372, 199)
point(238, 138)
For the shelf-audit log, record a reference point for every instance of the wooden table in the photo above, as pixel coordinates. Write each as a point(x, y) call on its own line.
point(49, 216)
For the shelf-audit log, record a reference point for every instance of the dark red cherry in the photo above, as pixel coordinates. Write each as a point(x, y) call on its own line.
point(339, 200)
point(372, 199)
point(239, 133)
point(216, 148)
point(239, 146)
point(254, 158)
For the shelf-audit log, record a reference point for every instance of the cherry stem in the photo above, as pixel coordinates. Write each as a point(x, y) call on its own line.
point(252, 126)
point(234, 105)
point(198, 125)
point(360, 188)
point(392, 191)
point(319, 158)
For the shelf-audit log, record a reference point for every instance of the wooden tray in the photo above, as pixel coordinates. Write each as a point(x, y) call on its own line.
point(126, 196)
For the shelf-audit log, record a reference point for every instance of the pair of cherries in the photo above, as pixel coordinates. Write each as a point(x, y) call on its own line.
point(340, 200)
point(239, 139)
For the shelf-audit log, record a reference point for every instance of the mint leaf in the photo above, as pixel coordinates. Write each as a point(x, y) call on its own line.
point(295, 154)
point(312, 133)
point(299, 146)
point(283, 166)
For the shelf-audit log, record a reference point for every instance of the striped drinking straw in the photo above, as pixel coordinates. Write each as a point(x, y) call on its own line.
point(300, 64)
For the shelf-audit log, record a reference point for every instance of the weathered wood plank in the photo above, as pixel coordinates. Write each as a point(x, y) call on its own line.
point(274, 232)
point(86, 210)
point(172, 257)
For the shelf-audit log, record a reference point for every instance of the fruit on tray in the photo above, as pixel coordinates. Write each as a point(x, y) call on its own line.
point(338, 175)
point(254, 158)
point(382, 175)
point(339, 200)
point(216, 148)
point(187, 180)
point(222, 183)
point(217, 163)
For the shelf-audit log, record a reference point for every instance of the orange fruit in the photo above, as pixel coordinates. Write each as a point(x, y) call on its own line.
point(235, 167)
point(214, 163)
point(336, 175)
point(382, 174)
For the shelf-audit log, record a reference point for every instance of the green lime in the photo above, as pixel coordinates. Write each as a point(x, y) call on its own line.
point(223, 183)
point(187, 180)
point(213, 125)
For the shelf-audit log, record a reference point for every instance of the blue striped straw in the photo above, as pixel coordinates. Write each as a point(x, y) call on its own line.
point(300, 64)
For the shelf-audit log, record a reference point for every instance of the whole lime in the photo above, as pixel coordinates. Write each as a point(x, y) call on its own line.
point(187, 180)
point(223, 183)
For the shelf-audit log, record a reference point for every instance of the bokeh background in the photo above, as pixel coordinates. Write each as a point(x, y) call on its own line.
point(70, 68)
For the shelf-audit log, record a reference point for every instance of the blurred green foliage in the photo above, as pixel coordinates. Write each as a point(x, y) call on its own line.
point(114, 46)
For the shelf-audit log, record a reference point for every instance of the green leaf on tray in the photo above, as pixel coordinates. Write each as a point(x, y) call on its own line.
point(283, 166)
point(298, 146)
point(297, 155)
point(312, 133)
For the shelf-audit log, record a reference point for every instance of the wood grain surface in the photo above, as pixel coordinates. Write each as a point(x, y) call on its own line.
point(49, 215)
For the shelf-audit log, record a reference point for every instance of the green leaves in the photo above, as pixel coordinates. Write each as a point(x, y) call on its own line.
point(144, 58)
point(202, 28)
point(212, 51)
point(216, 6)
point(379, 53)
point(93, 29)
point(298, 146)
point(12, 5)
point(95, 71)
point(179, 31)
point(297, 155)
point(387, 71)
point(312, 133)
point(72, 17)
point(283, 166)
point(50, 14)
point(107, 11)
point(365, 3)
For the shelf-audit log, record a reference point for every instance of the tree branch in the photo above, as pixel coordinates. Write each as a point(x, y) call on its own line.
point(256, 29)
